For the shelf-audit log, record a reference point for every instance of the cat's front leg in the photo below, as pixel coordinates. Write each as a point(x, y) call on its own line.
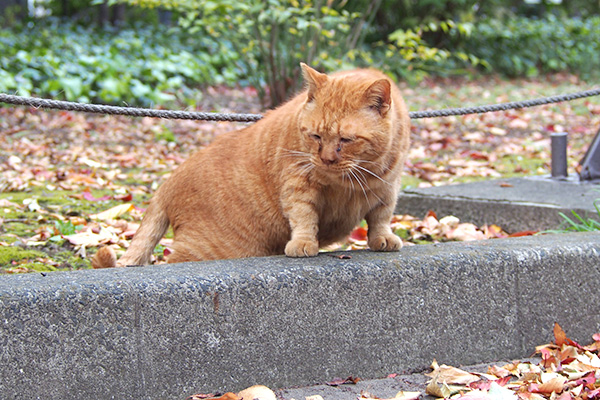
point(299, 208)
point(380, 236)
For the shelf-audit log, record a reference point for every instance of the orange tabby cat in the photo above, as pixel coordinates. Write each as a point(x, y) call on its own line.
point(300, 178)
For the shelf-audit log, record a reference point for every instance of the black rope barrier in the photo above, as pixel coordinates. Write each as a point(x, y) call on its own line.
point(236, 117)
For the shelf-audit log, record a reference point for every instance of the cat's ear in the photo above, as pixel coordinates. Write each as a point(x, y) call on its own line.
point(379, 96)
point(314, 80)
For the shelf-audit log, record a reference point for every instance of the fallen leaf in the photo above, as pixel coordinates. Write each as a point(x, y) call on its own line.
point(124, 197)
point(359, 233)
point(523, 233)
point(452, 375)
point(8, 203)
point(202, 396)
point(498, 392)
point(442, 389)
point(257, 392)
point(554, 385)
point(560, 337)
point(402, 395)
point(113, 213)
point(87, 195)
point(497, 131)
point(341, 381)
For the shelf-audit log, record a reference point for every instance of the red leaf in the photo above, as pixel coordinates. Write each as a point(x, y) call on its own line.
point(359, 233)
point(522, 233)
point(431, 213)
point(588, 379)
point(503, 381)
point(124, 197)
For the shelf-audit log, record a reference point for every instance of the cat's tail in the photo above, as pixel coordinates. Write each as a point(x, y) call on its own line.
point(105, 257)
point(153, 227)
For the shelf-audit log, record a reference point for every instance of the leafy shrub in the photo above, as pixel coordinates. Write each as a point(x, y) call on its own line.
point(409, 55)
point(143, 66)
point(271, 37)
point(524, 46)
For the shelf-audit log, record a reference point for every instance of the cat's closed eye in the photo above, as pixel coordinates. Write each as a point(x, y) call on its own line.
point(316, 137)
point(346, 140)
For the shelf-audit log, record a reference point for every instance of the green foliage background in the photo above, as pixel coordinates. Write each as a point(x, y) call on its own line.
point(139, 61)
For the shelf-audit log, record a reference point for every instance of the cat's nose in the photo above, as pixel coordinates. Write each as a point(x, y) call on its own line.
point(329, 159)
point(329, 155)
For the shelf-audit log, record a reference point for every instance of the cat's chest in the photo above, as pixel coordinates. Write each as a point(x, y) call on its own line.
point(343, 206)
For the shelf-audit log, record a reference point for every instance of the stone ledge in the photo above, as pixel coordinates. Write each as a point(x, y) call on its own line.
point(171, 331)
point(515, 204)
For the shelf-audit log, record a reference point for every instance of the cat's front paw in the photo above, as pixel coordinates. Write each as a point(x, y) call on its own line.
point(301, 248)
point(385, 242)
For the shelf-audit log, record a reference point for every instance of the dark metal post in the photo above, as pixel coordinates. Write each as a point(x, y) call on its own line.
point(559, 155)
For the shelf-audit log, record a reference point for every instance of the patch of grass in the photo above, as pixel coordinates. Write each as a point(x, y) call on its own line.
point(22, 223)
point(512, 165)
point(579, 223)
point(14, 253)
point(67, 260)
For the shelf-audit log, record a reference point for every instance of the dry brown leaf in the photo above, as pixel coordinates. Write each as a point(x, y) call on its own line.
point(554, 385)
point(442, 389)
point(560, 337)
point(401, 395)
point(451, 375)
point(256, 392)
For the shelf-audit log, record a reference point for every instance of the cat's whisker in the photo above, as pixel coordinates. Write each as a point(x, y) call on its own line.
point(353, 173)
point(345, 173)
point(364, 181)
point(373, 174)
point(295, 153)
point(305, 167)
point(375, 163)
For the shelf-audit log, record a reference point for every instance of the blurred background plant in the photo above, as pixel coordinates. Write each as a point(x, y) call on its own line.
point(156, 52)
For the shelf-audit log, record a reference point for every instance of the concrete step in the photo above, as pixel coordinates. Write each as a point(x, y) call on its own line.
point(515, 204)
point(166, 332)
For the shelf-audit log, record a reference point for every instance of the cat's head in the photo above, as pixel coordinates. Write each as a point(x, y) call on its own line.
point(347, 120)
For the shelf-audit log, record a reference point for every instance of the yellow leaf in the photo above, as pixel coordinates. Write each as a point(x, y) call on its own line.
point(402, 395)
point(113, 213)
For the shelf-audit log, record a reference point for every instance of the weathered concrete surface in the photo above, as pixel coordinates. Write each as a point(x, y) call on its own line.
point(166, 332)
point(515, 204)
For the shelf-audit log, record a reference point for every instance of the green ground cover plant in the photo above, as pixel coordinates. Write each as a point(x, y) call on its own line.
point(140, 66)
